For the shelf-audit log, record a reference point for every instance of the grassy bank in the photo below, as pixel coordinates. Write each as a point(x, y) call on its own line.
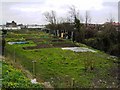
point(62, 68)
point(14, 78)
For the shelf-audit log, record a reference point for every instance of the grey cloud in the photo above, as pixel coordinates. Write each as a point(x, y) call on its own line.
point(62, 10)
point(40, 1)
point(110, 4)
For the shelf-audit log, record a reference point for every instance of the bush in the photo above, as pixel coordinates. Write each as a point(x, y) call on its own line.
point(13, 78)
point(115, 50)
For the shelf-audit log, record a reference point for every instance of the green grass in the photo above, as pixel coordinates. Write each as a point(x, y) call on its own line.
point(14, 78)
point(59, 66)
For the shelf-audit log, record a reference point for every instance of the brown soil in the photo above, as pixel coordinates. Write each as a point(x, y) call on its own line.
point(38, 46)
point(37, 40)
point(59, 40)
point(64, 45)
point(50, 46)
point(29, 39)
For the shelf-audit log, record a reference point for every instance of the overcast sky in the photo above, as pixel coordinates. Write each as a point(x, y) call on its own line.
point(31, 11)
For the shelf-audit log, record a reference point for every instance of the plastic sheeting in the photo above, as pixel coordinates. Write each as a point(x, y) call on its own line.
point(79, 49)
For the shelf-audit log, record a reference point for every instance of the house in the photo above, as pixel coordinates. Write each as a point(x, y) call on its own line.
point(113, 23)
point(12, 24)
point(116, 23)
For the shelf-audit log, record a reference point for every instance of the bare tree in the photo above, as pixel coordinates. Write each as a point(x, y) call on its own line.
point(53, 13)
point(81, 19)
point(73, 13)
point(50, 17)
point(61, 20)
point(78, 33)
point(87, 18)
point(111, 18)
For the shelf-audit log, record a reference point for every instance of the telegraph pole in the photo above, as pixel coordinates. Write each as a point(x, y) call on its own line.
point(14, 54)
point(34, 68)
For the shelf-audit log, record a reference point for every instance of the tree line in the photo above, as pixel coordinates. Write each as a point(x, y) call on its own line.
point(104, 37)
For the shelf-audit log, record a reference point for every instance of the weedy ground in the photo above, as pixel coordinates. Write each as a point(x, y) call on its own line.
point(62, 68)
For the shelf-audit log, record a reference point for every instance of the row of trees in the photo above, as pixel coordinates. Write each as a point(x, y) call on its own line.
point(71, 24)
point(107, 39)
point(52, 18)
point(102, 37)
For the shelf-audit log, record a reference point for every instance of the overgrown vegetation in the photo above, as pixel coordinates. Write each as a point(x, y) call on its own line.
point(14, 78)
point(104, 37)
point(63, 68)
point(106, 40)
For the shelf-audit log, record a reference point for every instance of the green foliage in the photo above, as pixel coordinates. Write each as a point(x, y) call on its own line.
point(77, 24)
point(59, 66)
point(90, 33)
point(79, 32)
point(13, 78)
point(106, 40)
point(4, 32)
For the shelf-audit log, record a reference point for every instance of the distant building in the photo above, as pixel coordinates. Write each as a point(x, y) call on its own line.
point(12, 24)
point(116, 24)
point(113, 23)
point(20, 25)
